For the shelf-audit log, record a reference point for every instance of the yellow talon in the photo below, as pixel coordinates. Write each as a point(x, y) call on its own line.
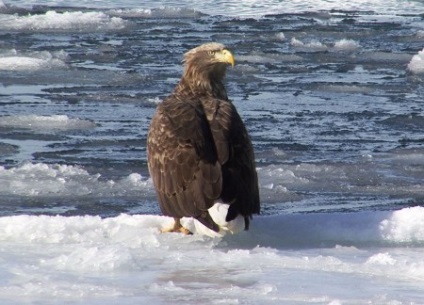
point(177, 228)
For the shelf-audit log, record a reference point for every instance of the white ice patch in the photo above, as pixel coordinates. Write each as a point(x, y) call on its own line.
point(16, 61)
point(263, 58)
point(346, 45)
point(280, 36)
point(133, 12)
point(404, 226)
point(158, 12)
point(101, 260)
point(416, 65)
point(280, 231)
point(382, 259)
point(41, 123)
point(53, 20)
point(273, 176)
point(317, 46)
point(314, 45)
point(155, 100)
point(65, 180)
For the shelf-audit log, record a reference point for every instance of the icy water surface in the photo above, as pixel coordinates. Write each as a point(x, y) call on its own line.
point(332, 98)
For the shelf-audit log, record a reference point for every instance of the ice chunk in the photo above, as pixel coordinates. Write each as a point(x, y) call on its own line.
point(416, 65)
point(296, 42)
point(45, 123)
point(381, 259)
point(314, 45)
point(20, 63)
point(53, 20)
point(280, 36)
point(42, 179)
point(406, 225)
point(346, 45)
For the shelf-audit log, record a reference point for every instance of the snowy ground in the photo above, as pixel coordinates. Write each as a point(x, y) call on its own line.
point(326, 258)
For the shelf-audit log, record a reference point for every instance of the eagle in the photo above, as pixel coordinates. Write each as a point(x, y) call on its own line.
point(199, 154)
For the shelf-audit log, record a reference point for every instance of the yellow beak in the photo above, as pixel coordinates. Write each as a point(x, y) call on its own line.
point(225, 56)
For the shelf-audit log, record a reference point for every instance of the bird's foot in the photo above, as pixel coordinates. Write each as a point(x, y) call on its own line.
point(177, 228)
point(183, 230)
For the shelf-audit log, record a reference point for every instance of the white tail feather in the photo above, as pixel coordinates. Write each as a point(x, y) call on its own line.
point(218, 213)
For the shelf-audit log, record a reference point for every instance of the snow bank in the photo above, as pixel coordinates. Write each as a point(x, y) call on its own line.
point(91, 260)
point(402, 227)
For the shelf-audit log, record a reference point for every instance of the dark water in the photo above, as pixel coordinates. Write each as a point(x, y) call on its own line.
point(335, 126)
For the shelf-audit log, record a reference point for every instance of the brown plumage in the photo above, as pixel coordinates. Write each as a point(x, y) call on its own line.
point(198, 147)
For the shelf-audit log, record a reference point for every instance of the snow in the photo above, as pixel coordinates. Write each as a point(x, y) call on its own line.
point(290, 258)
point(88, 259)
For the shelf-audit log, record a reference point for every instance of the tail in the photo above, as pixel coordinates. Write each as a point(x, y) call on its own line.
point(233, 212)
point(206, 220)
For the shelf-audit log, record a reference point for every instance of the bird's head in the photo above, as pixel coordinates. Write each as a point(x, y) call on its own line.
point(206, 64)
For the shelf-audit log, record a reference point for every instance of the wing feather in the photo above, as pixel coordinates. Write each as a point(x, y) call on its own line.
point(182, 159)
point(199, 151)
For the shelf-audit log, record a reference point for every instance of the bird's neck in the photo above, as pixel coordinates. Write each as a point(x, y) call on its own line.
point(202, 84)
point(202, 88)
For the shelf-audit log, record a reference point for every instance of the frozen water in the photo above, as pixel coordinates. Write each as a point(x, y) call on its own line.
point(70, 21)
point(346, 45)
point(246, 8)
point(12, 61)
point(45, 123)
point(65, 181)
point(416, 65)
point(87, 259)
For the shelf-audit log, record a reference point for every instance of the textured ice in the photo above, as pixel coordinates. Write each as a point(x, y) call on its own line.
point(45, 123)
point(416, 65)
point(14, 60)
point(314, 45)
point(157, 12)
point(41, 179)
point(317, 46)
point(88, 259)
point(248, 8)
point(346, 45)
point(70, 21)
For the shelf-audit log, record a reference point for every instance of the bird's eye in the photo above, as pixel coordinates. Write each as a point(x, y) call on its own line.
point(211, 53)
